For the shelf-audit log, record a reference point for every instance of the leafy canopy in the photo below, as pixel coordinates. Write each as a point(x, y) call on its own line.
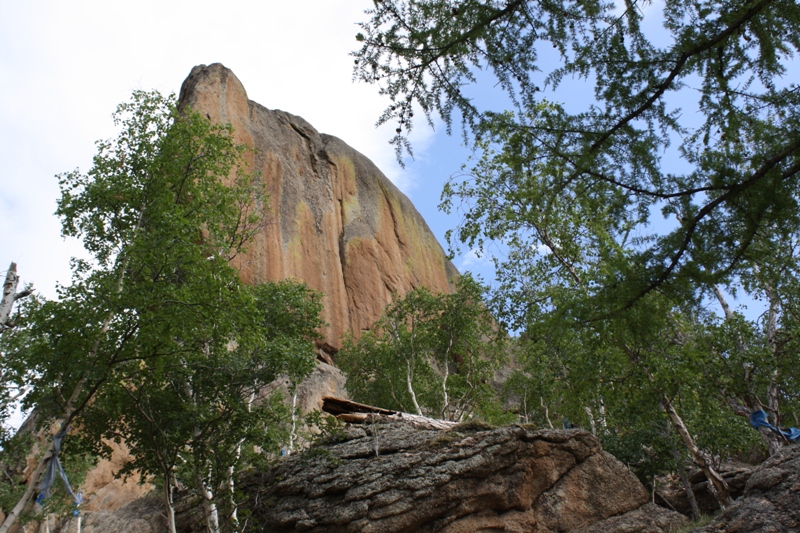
point(430, 354)
point(677, 172)
point(156, 341)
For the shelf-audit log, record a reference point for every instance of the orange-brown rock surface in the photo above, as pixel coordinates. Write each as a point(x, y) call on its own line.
point(338, 223)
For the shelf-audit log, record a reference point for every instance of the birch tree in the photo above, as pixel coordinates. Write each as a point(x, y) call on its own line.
point(160, 226)
point(434, 355)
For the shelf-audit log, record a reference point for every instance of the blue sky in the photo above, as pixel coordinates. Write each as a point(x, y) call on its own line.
point(66, 65)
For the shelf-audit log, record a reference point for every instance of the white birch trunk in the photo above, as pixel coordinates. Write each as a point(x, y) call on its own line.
point(602, 410)
point(726, 309)
point(209, 506)
point(168, 502)
point(717, 485)
point(36, 477)
point(293, 433)
point(69, 407)
point(409, 377)
point(9, 294)
point(546, 412)
point(591, 420)
point(234, 516)
point(446, 400)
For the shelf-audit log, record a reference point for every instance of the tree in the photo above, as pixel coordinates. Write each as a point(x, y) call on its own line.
point(574, 195)
point(186, 419)
point(645, 383)
point(164, 208)
point(10, 296)
point(435, 355)
point(676, 178)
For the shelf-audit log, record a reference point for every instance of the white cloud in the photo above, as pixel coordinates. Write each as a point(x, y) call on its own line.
point(473, 259)
point(66, 65)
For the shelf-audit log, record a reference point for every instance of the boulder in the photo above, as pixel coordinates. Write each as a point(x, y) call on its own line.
point(144, 515)
point(771, 499)
point(339, 224)
point(395, 478)
point(734, 473)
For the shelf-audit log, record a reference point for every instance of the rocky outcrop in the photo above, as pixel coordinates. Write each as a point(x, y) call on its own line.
point(144, 515)
point(771, 500)
point(392, 478)
point(734, 473)
point(104, 490)
point(339, 224)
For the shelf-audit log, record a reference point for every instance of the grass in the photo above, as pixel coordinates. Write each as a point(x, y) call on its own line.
point(700, 522)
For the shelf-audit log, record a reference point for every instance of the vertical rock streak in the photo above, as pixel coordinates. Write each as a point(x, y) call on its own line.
point(342, 227)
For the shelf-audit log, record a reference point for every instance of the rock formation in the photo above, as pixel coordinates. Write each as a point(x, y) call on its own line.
point(771, 500)
point(466, 479)
point(339, 224)
point(674, 494)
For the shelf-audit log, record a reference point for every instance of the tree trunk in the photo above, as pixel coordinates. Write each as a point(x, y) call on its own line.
point(446, 370)
point(27, 498)
point(9, 291)
point(234, 516)
point(409, 379)
point(10, 295)
point(69, 408)
point(33, 483)
point(546, 412)
point(717, 485)
point(209, 507)
point(168, 503)
point(591, 419)
point(773, 441)
point(687, 486)
point(293, 432)
point(773, 392)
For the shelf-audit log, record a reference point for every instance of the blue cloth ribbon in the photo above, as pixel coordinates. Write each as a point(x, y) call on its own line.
point(760, 419)
point(53, 467)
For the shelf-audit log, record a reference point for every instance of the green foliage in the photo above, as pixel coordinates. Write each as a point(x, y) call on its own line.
point(161, 227)
point(13, 462)
point(618, 219)
point(329, 429)
point(611, 377)
point(573, 194)
point(157, 342)
point(429, 354)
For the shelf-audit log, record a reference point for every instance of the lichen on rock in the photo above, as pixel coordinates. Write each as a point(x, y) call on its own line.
point(513, 478)
point(339, 224)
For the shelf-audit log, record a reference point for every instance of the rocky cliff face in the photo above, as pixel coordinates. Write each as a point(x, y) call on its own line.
point(339, 224)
